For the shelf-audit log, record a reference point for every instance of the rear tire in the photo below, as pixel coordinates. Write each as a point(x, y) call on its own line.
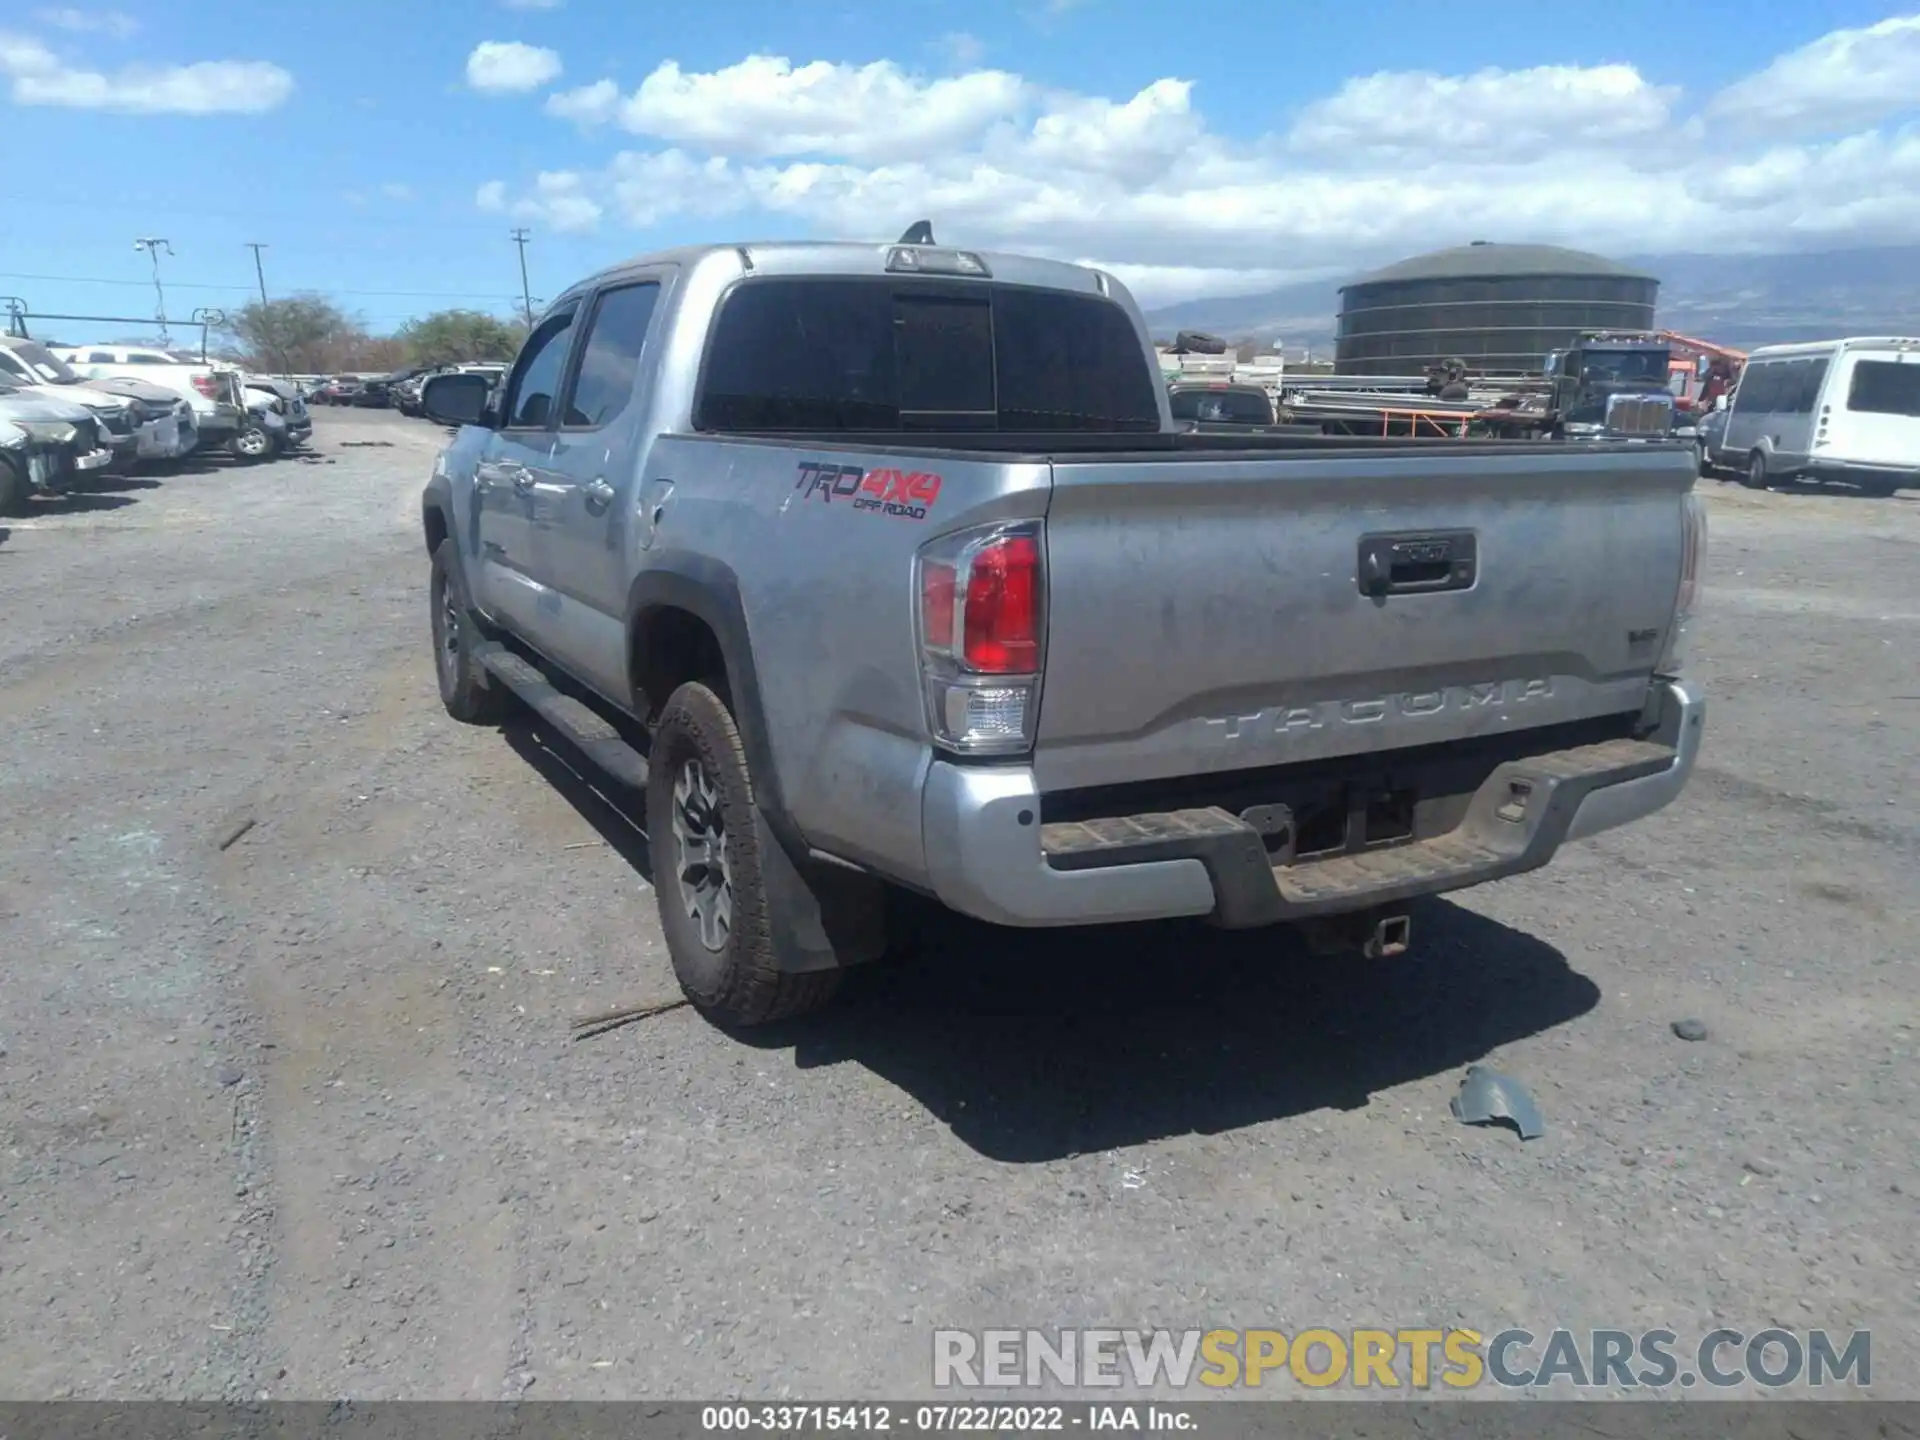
point(1756, 476)
point(465, 687)
point(14, 488)
point(707, 874)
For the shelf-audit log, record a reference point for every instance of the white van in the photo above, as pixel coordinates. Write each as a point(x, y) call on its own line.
point(1828, 410)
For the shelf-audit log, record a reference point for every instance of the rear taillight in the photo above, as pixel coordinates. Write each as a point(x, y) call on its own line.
point(207, 386)
point(1693, 554)
point(982, 636)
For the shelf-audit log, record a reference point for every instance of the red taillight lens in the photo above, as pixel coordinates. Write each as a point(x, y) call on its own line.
point(204, 384)
point(1003, 605)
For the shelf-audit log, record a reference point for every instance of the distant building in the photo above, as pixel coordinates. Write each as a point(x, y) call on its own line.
point(1497, 307)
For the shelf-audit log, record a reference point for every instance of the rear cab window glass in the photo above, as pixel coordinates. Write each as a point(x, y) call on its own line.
point(1884, 387)
point(610, 356)
point(832, 354)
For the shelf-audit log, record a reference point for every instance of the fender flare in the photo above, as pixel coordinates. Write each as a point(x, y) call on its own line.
point(709, 590)
point(436, 499)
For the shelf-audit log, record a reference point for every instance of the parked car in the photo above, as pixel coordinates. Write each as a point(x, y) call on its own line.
point(31, 367)
point(406, 395)
point(47, 444)
point(337, 391)
point(375, 393)
point(284, 399)
point(934, 609)
point(1846, 410)
point(212, 390)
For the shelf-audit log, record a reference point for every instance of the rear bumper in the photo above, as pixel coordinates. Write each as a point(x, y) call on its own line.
point(989, 855)
point(1856, 473)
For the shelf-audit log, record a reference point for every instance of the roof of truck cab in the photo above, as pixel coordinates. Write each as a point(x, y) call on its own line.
point(844, 257)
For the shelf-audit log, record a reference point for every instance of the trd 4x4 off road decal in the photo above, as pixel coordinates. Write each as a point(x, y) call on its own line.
point(908, 494)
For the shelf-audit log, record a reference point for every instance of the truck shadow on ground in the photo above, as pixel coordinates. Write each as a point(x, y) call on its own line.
point(619, 816)
point(1034, 1045)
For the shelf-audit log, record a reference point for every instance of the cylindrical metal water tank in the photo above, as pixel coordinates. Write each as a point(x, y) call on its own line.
point(1500, 308)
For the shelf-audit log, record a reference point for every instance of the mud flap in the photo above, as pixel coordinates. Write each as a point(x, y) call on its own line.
point(820, 917)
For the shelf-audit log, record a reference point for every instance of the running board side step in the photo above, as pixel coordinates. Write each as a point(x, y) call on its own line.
point(589, 732)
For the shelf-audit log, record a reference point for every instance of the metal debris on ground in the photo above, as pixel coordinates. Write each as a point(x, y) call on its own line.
point(1488, 1098)
point(588, 1026)
point(1690, 1029)
point(366, 444)
point(233, 830)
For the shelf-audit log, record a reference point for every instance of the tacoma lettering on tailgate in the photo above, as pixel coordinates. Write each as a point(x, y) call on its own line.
point(1290, 719)
point(905, 494)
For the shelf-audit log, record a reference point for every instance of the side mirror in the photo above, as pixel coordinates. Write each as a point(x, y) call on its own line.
point(456, 399)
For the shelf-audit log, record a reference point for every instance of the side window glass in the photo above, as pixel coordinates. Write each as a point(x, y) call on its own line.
point(610, 355)
point(1810, 388)
point(100, 357)
point(536, 375)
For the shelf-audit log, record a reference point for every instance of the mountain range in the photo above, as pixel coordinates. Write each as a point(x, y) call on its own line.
point(1739, 300)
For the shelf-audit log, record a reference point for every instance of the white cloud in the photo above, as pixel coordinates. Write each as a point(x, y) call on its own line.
point(504, 67)
point(1514, 111)
point(766, 106)
point(36, 76)
point(102, 22)
point(395, 190)
point(558, 200)
point(1385, 166)
point(1845, 78)
point(593, 104)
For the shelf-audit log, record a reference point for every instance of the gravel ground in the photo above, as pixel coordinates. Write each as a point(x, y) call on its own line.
point(301, 1117)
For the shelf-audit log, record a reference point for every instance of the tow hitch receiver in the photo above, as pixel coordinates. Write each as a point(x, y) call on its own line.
point(1391, 936)
point(1375, 935)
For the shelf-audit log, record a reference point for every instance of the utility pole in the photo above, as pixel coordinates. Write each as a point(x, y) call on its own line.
point(266, 312)
point(526, 291)
point(151, 244)
point(258, 269)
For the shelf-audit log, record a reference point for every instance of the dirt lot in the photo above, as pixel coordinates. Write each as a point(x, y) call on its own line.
point(302, 1117)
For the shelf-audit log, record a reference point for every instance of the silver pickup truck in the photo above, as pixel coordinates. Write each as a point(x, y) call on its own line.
point(886, 566)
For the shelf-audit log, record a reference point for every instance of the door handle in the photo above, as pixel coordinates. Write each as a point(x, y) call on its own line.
point(599, 493)
point(503, 473)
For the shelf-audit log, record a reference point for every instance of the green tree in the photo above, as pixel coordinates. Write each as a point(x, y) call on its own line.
point(305, 333)
point(449, 337)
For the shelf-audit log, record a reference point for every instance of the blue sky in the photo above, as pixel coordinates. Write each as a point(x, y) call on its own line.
point(384, 151)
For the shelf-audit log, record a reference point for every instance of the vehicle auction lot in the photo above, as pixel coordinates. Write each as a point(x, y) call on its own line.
point(303, 1117)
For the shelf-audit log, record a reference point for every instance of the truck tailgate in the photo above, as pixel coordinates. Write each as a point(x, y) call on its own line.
point(1210, 612)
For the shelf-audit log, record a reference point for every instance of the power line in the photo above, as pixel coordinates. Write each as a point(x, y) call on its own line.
point(241, 289)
